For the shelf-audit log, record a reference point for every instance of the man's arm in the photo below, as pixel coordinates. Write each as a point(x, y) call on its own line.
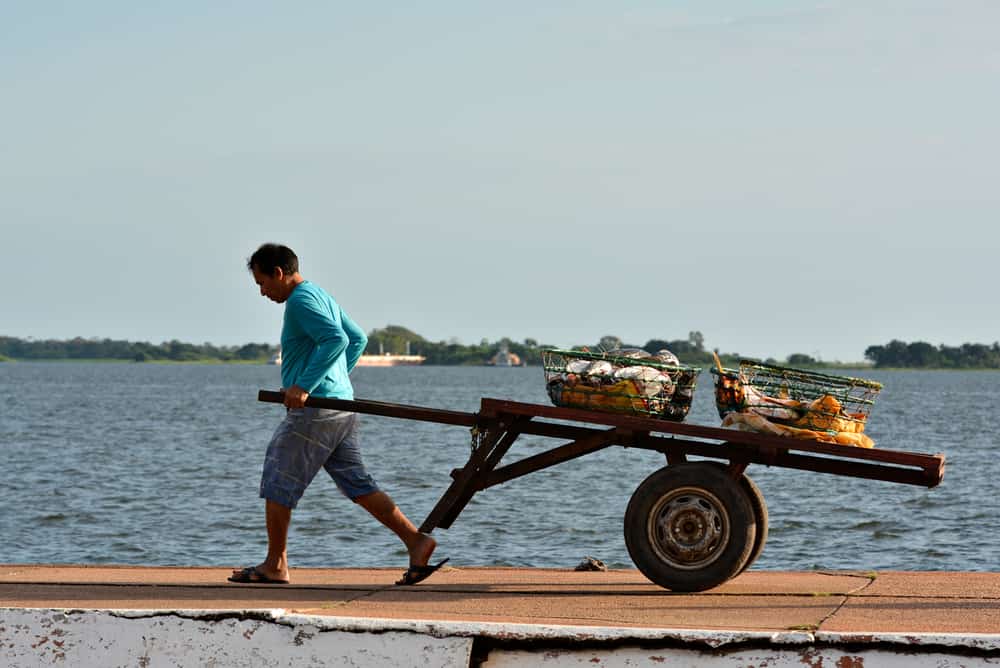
point(329, 337)
point(357, 340)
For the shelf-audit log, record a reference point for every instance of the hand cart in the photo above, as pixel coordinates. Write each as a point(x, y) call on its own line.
point(689, 526)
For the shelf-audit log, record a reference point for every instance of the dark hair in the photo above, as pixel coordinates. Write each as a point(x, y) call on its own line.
point(269, 257)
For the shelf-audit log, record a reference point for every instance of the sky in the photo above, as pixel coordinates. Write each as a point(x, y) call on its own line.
point(784, 177)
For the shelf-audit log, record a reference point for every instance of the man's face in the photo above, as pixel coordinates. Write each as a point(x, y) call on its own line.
point(271, 286)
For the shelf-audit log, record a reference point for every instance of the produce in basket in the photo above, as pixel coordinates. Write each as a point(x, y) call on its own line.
point(667, 357)
point(761, 425)
point(789, 402)
point(626, 380)
point(649, 382)
point(599, 373)
point(631, 353)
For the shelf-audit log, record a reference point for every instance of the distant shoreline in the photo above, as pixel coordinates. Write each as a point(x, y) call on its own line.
point(217, 362)
point(394, 339)
point(112, 360)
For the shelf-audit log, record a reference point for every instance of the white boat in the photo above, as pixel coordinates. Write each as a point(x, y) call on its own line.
point(391, 359)
point(388, 359)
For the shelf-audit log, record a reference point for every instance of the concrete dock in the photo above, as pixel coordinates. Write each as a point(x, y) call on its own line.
point(149, 616)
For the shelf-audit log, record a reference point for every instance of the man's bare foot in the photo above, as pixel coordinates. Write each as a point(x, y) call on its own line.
point(421, 551)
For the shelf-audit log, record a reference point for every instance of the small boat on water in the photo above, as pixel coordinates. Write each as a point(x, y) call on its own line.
point(384, 359)
point(504, 357)
point(391, 359)
point(388, 359)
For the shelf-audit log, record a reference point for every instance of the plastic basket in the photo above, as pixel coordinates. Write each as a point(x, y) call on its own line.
point(619, 384)
point(793, 397)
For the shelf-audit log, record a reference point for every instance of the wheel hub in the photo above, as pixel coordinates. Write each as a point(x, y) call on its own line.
point(688, 529)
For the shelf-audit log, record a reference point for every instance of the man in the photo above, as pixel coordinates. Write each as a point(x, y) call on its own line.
point(320, 345)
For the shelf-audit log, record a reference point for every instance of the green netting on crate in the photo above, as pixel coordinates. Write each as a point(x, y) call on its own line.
point(795, 397)
point(621, 381)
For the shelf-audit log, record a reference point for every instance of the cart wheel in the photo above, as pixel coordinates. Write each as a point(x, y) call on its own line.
point(760, 516)
point(689, 527)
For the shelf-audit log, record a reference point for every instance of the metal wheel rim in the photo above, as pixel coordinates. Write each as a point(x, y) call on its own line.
point(688, 528)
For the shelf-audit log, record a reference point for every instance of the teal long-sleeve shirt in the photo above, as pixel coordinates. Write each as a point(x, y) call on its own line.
point(320, 344)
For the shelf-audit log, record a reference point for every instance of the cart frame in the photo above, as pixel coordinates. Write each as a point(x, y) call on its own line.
point(498, 424)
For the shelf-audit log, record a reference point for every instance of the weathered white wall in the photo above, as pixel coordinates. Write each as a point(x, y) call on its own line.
point(99, 639)
point(151, 639)
point(631, 657)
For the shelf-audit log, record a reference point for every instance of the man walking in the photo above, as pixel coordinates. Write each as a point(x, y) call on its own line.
point(320, 345)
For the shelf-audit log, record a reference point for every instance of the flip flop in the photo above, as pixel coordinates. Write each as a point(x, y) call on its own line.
point(415, 574)
point(250, 575)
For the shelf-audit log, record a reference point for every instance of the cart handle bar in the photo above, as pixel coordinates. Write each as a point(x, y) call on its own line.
point(380, 408)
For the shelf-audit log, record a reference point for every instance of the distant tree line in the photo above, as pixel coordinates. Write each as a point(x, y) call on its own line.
point(391, 339)
point(400, 340)
point(923, 355)
point(109, 349)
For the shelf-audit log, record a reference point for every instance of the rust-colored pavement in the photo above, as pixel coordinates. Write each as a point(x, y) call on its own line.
point(833, 601)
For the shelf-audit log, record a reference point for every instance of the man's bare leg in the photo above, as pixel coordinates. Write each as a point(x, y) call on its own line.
point(278, 518)
point(383, 508)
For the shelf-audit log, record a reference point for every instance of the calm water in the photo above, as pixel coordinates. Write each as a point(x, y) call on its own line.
point(159, 465)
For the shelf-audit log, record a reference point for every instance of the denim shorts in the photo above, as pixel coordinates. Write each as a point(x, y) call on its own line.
point(310, 439)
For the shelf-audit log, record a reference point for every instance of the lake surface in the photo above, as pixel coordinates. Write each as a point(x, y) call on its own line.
point(159, 465)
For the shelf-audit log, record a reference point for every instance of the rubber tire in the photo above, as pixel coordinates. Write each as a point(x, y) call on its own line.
point(760, 515)
point(716, 491)
point(756, 497)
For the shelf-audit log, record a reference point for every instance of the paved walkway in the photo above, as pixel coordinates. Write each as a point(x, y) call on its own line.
point(757, 601)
